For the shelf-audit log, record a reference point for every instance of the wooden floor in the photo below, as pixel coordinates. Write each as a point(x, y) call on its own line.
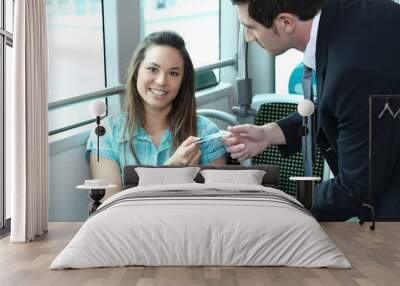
point(374, 255)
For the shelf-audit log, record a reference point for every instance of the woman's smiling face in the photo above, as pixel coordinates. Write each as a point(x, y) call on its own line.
point(159, 77)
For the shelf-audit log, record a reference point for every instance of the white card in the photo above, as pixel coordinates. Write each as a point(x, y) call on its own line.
point(213, 136)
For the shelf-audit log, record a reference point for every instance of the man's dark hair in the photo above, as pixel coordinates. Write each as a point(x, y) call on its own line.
point(266, 11)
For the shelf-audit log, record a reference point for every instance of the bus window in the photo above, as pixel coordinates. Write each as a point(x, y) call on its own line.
point(76, 56)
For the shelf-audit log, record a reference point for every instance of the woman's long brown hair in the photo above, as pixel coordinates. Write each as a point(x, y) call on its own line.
point(182, 118)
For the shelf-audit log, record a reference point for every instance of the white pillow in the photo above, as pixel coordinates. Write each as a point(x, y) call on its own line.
point(249, 177)
point(164, 176)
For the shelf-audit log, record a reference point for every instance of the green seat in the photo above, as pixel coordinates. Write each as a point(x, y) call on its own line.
point(205, 79)
point(288, 167)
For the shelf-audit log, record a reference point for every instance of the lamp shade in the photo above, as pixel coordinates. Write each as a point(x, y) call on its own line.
point(305, 107)
point(97, 108)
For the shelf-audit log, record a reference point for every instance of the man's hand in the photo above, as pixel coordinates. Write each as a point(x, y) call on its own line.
point(248, 140)
point(245, 141)
point(188, 153)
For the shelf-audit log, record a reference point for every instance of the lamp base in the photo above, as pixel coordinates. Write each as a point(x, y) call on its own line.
point(305, 190)
point(96, 195)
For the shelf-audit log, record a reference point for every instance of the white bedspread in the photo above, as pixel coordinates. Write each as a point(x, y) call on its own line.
point(205, 230)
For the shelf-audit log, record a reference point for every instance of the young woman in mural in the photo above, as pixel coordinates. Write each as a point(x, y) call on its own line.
point(159, 125)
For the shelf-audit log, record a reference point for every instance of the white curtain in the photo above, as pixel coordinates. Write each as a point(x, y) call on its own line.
point(27, 121)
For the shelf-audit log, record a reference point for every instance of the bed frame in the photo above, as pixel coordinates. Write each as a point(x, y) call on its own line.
point(270, 179)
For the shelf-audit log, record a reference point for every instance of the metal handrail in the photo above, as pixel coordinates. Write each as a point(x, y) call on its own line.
point(219, 114)
point(72, 126)
point(219, 64)
point(121, 88)
point(86, 97)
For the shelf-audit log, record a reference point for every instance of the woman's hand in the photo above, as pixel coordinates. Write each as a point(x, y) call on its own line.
point(188, 153)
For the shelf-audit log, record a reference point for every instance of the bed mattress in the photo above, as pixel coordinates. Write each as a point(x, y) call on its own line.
point(201, 225)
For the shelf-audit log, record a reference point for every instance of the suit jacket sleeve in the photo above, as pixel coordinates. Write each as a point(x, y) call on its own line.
point(290, 126)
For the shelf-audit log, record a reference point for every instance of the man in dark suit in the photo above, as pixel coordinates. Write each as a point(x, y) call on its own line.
point(354, 48)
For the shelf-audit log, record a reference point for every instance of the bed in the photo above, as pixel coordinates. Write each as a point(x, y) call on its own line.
point(204, 222)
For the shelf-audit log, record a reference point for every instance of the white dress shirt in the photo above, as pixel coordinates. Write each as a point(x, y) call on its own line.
point(309, 52)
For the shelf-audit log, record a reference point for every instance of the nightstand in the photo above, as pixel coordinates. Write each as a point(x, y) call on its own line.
point(305, 190)
point(96, 191)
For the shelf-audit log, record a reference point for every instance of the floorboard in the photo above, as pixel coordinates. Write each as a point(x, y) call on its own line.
point(374, 255)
